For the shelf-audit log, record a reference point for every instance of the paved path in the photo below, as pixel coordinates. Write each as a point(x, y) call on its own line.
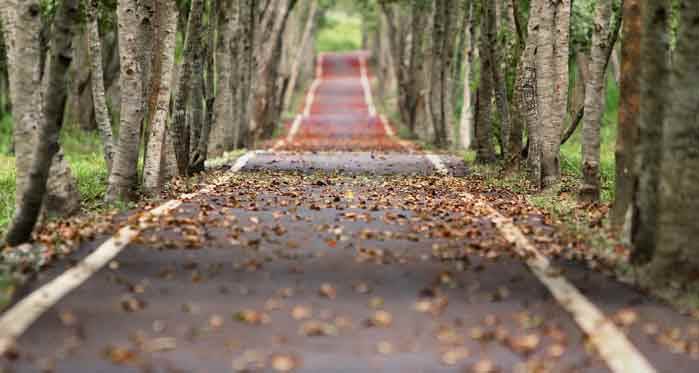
point(324, 261)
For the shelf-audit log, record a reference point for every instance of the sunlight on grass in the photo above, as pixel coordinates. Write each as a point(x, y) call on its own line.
point(571, 157)
point(7, 190)
point(84, 153)
point(339, 32)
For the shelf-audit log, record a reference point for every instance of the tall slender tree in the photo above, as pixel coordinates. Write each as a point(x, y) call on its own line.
point(466, 122)
point(485, 152)
point(166, 32)
point(594, 103)
point(654, 83)
point(123, 179)
point(28, 97)
point(225, 126)
point(192, 50)
point(552, 88)
point(104, 124)
point(678, 217)
point(629, 107)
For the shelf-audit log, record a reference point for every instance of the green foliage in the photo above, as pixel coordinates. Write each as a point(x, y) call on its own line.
point(340, 31)
point(581, 24)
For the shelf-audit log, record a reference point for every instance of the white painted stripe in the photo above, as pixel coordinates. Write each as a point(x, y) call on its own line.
point(314, 86)
point(15, 321)
point(368, 98)
point(310, 97)
point(617, 351)
point(387, 127)
point(294, 128)
point(392, 134)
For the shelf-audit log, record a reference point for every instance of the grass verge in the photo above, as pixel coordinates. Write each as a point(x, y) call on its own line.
point(585, 226)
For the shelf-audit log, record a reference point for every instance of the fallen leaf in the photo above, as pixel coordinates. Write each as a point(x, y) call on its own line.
point(284, 363)
point(384, 348)
point(328, 291)
point(452, 357)
point(301, 313)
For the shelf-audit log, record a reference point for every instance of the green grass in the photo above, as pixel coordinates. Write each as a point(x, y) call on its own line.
point(571, 157)
point(84, 153)
point(7, 190)
point(339, 32)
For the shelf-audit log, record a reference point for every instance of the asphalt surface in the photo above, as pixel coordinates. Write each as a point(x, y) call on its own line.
point(317, 260)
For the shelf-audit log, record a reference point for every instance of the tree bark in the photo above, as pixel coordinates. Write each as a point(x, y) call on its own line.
point(526, 98)
point(485, 152)
point(629, 107)
point(123, 179)
point(28, 98)
point(166, 31)
point(224, 134)
point(654, 87)
point(594, 104)
point(192, 48)
point(269, 45)
point(678, 216)
point(244, 70)
point(104, 123)
point(498, 66)
point(466, 124)
point(440, 71)
point(552, 87)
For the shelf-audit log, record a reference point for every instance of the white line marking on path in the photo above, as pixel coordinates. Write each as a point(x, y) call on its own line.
point(310, 97)
point(314, 86)
point(15, 321)
point(617, 351)
point(366, 86)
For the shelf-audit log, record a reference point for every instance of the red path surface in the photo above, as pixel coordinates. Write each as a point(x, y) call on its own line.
point(337, 114)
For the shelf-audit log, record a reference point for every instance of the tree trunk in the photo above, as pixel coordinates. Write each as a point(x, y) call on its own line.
point(123, 179)
point(552, 87)
point(594, 103)
point(198, 161)
point(439, 73)
point(104, 123)
point(196, 120)
point(485, 153)
point(416, 68)
point(498, 66)
point(166, 31)
point(269, 46)
point(296, 65)
point(654, 88)
point(678, 215)
point(526, 99)
point(192, 49)
point(466, 124)
point(449, 82)
point(224, 133)
point(27, 97)
point(629, 107)
point(80, 106)
point(244, 70)
point(148, 42)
